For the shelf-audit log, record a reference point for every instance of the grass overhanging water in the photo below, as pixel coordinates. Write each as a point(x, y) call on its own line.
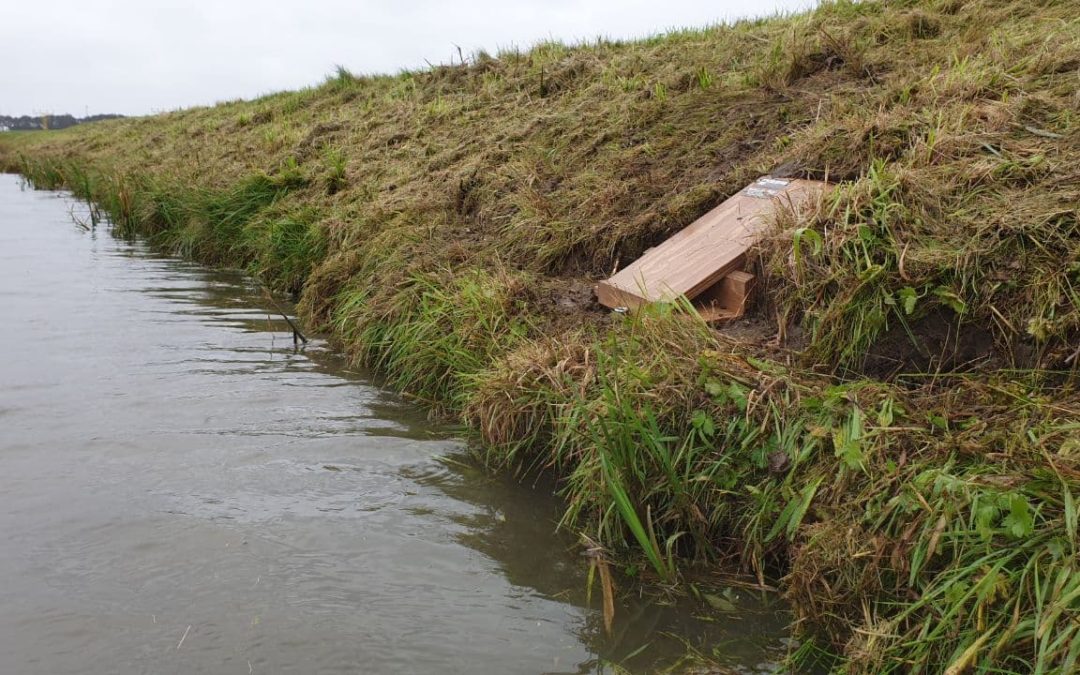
point(898, 437)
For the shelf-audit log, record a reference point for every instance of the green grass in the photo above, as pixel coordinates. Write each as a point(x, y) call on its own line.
point(439, 332)
point(894, 444)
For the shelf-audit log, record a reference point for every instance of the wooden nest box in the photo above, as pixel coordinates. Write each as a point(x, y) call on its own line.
point(704, 261)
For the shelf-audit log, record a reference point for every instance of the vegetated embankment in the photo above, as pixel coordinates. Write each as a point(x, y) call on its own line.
point(894, 430)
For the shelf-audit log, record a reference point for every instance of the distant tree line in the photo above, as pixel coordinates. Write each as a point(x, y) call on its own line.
point(39, 122)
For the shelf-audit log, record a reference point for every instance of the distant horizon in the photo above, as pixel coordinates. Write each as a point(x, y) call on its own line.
point(134, 60)
point(50, 121)
point(4, 115)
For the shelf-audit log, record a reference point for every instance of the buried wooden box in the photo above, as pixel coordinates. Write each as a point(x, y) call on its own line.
point(704, 261)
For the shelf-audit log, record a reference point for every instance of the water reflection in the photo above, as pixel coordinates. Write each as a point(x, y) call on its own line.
point(516, 532)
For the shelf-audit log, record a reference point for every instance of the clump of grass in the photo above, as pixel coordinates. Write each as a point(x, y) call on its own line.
point(212, 222)
point(286, 248)
point(965, 545)
point(335, 171)
point(341, 79)
point(438, 330)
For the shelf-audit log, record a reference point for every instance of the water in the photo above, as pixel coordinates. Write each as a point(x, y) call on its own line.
point(183, 492)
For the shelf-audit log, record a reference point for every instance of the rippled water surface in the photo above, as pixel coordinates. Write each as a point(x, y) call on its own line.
point(182, 492)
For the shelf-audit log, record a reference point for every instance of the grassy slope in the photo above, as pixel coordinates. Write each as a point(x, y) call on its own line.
point(445, 225)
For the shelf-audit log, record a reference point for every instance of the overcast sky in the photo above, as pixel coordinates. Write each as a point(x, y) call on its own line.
point(142, 56)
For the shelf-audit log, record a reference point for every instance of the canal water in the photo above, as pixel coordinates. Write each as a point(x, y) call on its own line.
point(182, 491)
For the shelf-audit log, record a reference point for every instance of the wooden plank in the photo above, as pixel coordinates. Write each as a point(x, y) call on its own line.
point(735, 291)
point(727, 299)
point(708, 249)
